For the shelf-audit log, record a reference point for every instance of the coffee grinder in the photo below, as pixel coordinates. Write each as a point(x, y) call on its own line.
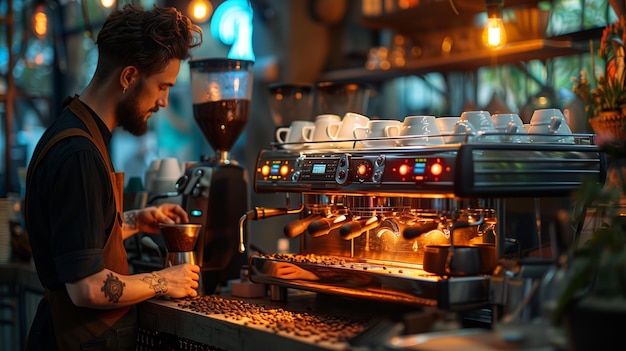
point(215, 190)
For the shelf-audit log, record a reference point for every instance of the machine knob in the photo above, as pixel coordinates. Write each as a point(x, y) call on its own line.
point(379, 169)
point(380, 160)
point(181, 183)
point(295, 177)
point(378, 176)
point(341, 177)
point(299, 161)
point(187, 185)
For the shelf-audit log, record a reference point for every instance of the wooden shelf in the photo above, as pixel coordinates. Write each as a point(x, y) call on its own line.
point(538, 49)
point(427, 16)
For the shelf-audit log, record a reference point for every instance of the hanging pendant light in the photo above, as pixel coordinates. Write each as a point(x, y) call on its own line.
point(494, 34)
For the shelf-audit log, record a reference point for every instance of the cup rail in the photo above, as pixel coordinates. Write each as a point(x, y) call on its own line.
point(400, 142)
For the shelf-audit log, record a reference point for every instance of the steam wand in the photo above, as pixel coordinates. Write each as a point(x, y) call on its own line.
point(260, 213)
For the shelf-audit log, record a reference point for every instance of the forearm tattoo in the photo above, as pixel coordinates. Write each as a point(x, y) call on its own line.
point(130, 220)
point(156, 283)
point(113, 288)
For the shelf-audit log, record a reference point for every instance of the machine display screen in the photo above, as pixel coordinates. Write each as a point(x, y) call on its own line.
point(319, 169)
point(275, 170)
point(420, 166)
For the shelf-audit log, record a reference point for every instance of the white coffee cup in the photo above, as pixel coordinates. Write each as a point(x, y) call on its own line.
point(420, 130)
point(317, 133)
point(510, 127)
point(481, 120)
point(344, 130)
point(378, 129)
point(552, 122)
point(446, 127)
point(295, 133)
point(169, 168)
point(464, 131)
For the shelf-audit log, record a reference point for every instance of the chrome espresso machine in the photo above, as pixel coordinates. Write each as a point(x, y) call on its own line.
point(409, 224)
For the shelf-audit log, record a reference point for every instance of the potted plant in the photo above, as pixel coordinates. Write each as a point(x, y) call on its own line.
point(605, 104)
point(592, 304)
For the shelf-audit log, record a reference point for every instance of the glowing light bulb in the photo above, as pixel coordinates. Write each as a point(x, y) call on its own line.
point(40, 22)
point(494, 35)
point(200, 10)
point(107, 3)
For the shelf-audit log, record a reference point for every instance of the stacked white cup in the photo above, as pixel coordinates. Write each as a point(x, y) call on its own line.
point(446, 127)
point(294, 136)
point(510, 127)
point(551, 122)
point(316, 135)
point(376, 131)
point(420, 130)
point(344, 130)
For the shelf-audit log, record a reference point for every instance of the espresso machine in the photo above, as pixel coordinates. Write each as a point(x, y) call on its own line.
point(215, 190)
point(419, 225)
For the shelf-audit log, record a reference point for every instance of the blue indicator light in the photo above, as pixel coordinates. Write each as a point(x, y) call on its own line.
point(419, 168)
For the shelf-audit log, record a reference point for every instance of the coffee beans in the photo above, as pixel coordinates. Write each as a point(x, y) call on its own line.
point(318, 328)
point(308, 258)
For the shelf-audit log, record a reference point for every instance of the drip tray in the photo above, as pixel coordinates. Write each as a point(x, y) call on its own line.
point(370, 279)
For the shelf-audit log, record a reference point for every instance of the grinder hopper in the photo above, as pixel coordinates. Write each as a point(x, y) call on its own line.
point(221, 91)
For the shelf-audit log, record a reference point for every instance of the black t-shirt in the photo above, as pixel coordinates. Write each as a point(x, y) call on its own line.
point(71, 205)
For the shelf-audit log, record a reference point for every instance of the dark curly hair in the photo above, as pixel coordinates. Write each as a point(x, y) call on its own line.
point(146, 39)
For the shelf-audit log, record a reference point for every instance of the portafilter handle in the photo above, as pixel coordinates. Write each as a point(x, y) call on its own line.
point(324, 226)
point(355, 228)
point(260, 213)
point(419, 229)
point(299, 226)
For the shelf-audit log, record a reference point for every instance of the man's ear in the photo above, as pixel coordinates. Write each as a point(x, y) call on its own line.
point(128, 76)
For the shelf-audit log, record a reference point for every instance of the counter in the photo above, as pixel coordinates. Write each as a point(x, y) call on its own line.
point(310, 321)
point(304, 321)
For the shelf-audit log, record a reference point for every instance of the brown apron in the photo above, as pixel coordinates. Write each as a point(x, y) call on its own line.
point(78, 328)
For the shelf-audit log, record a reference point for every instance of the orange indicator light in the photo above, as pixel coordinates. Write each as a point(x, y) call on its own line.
point(265, 170)
point(362, 169)
point(404, 169)
point(436, 169)
point(284, 170)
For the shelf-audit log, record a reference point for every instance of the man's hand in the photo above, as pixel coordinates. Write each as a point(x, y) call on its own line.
point(148, 219)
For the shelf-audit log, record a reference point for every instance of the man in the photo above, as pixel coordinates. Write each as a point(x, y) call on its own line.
point(73, 197)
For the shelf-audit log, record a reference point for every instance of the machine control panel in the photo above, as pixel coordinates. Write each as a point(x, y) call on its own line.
point(463, 170)
point(353, 171)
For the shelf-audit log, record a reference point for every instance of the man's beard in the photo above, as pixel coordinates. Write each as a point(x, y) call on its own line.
point(130, 118)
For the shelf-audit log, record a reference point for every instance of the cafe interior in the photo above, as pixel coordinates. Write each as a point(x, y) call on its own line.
point(405, 177)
